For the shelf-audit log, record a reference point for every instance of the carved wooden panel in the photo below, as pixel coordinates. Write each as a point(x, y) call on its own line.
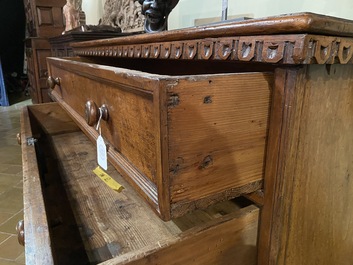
point(283, 49)
point(125, 14)
point(44, 18)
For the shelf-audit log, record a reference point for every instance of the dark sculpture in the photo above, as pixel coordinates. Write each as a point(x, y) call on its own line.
point(156, 13)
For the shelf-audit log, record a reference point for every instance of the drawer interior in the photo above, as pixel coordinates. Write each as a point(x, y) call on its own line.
point(90, 223)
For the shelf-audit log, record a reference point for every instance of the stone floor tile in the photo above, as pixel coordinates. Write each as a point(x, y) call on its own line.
point(9, 181)
point(11, 201)
point(4, 216)
point(10, 169)
point(11, 184)
point(3, 237)
point(21, 259)
point(8, 262)
point(11, 249)
point(10, 225)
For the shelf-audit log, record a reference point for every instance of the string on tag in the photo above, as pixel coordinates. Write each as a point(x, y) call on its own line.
point(98, 127)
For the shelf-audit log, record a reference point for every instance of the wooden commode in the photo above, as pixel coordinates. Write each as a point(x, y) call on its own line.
point(233, 142)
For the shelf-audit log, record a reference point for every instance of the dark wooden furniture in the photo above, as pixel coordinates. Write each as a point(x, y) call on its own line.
point(61, 45)
point(44, 19)
point(37, 50)
point(260, 108)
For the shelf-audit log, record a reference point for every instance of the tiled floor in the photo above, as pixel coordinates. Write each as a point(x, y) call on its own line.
point(11, 203)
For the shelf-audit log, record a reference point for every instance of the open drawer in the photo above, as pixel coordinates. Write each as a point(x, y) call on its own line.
point(73, 217)
point(183, 142)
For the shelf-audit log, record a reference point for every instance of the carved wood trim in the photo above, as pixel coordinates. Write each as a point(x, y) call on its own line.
point(345, 51)
point(282, 49)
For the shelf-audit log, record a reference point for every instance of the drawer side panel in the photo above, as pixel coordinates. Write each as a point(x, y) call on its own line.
point(217, 135)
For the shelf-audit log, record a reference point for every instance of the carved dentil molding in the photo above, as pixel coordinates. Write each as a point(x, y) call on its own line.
point(279, 49)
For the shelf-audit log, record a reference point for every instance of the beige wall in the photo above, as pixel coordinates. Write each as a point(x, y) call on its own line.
point(187, 11)
point(93, 10)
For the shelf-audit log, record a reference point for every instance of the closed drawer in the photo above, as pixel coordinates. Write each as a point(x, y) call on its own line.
point(183, 142)
point(72, 217)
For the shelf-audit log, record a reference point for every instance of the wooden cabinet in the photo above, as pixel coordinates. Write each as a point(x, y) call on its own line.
point(44, 19)
point(37, 50)
point(194, 121)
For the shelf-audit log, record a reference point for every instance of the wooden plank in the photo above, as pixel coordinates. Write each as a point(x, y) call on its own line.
point(319, 167)
point(284, 24)
point(233, 241)
point(307, 198)
point(217, 135)
point(35, 222)
point(113, 223)
point(256, 197)
point(52, 119)
point(163, 183)
point(273, 184)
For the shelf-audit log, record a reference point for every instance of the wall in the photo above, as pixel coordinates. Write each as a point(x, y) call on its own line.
point(93, 10)
point(187, 11)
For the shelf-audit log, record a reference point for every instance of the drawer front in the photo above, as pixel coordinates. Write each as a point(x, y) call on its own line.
point(131, 126)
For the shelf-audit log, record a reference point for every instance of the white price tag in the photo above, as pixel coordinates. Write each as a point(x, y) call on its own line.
point(102, 153)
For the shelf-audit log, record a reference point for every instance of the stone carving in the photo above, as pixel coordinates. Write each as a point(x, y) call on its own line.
point(281, 49)
point(125, 14)
point(74, 16)
point(156, 13)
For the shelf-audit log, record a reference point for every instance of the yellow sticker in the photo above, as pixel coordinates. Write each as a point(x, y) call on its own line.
point(108, 179)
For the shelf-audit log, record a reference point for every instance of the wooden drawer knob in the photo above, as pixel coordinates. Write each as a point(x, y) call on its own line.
point(20, 228)
point(92, 112)
point(18, 137)
point(52, 82)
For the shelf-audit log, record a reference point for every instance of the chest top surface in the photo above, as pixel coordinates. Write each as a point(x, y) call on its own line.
point(303, 38)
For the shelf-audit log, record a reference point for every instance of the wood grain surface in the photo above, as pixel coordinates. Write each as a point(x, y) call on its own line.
point(231, 242)
point(308, 193)
point(35, 222)
point(193, 140)
point(284, 24)
point(217, 133)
